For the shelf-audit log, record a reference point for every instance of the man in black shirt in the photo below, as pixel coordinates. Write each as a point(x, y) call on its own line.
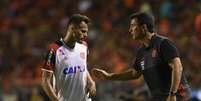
point(157, 60)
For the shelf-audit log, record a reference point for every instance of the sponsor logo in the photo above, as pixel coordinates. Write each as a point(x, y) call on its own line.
point(73, 70)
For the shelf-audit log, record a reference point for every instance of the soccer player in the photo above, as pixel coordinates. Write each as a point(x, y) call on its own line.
point(67, 62)
point(157, 60)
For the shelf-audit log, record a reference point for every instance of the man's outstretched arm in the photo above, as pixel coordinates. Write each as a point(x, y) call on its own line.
point(130, 74)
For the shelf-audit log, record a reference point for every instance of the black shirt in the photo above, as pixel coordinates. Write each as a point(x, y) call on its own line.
point(152, 62)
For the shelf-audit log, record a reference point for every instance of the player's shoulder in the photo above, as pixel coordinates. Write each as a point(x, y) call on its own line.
point(165, 40)
point(160, 38)
point(165, 43)
point(55, 45)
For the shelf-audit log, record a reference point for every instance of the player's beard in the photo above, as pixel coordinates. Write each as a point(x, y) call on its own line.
point(77, 38)
point(139, 36)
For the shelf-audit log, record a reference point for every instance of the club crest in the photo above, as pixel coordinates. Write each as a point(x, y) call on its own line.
point(82, 55)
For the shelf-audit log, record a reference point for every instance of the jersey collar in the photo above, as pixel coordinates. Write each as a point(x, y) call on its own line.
point(64, 44)
point(152, 41)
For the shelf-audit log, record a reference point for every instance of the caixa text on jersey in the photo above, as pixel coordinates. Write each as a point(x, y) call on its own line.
point(73, 69)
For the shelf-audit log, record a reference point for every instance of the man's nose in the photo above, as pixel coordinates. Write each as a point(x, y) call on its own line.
point(85, 34)
point(130, 30)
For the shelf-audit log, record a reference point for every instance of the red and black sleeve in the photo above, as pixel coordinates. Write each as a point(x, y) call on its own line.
point(49, 63)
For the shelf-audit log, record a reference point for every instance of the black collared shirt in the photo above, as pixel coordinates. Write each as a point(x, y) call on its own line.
point(152, 62)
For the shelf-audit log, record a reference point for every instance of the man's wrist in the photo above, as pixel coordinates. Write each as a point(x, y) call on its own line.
point(172, 93)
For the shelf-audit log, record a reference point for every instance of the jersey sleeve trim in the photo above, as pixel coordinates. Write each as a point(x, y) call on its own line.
point(46, 70)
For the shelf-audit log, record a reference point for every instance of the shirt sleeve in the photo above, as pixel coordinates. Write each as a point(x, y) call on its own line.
point(49, 60)
point(49, 63)
point(168, 50)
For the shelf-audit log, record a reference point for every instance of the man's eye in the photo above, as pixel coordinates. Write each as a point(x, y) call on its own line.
point(84, 31)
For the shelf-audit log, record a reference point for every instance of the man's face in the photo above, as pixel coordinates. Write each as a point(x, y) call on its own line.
point(135, 30)
point(81, 32)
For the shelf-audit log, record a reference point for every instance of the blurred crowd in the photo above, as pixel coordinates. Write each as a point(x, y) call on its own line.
point(28, 26)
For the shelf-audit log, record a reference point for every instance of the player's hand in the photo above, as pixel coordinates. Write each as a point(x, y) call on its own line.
point(55, 99)
point(92, 89)
point(100, 74)
point(171, 98)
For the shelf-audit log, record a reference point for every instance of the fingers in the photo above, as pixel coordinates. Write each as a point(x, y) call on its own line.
point(95, 72)
point(98, 71)
point(91, 89)
point(100, 74)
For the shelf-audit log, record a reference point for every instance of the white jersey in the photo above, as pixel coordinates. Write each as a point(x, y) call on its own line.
point(70, 70)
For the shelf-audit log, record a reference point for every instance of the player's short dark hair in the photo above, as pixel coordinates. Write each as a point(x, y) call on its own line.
point(76, 19)
point(144, 18)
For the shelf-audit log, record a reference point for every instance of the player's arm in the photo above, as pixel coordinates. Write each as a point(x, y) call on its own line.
point(177, 69)
point(170, 54)
point(126, 75)
point(47, 75)
point(91, 85)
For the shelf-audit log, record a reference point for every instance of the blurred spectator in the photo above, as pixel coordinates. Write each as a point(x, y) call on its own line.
point(198, 26)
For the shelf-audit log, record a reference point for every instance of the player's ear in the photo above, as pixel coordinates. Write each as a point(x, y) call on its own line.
point(71, 28)
point(145, 28)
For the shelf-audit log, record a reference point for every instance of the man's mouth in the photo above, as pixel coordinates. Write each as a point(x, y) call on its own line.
point(83, 38)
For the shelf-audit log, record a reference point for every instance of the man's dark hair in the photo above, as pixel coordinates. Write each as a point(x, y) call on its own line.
point(144, 18)
point(76, 19)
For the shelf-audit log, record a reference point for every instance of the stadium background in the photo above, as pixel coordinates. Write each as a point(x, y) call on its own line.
point(27, 26)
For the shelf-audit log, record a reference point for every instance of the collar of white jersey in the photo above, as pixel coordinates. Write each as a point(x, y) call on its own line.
point(64, 44)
